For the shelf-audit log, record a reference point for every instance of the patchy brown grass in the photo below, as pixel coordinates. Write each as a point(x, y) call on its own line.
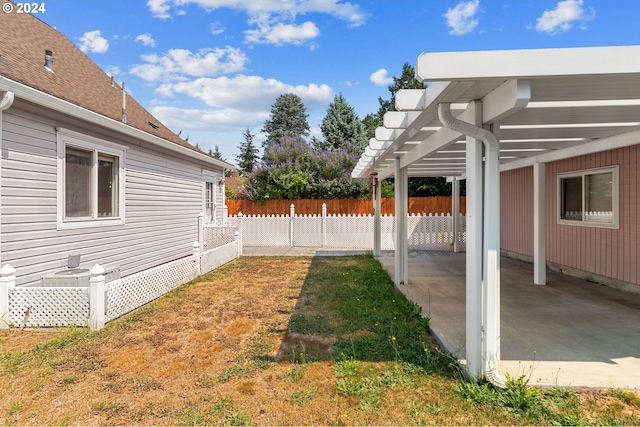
point(220, 351)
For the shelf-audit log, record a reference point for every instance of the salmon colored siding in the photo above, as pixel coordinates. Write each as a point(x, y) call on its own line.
point(516, 211)
point(607, 252)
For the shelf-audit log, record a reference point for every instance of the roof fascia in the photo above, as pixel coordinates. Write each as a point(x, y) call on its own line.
point(57, 104)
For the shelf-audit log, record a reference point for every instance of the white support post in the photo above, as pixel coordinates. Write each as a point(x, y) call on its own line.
point(492, 260)
point(96, 298)
point(292, 214)
point(239, 243)
point(225, 215)
point(377, 218)
point(455, 212)
point(7, 282)
point(401, 200)
point(324, 225)
point(474, 327)
point(239, 229)
point(196, 257)
point(539, 225)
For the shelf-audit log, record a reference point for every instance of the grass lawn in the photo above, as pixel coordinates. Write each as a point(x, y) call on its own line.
point(272, 341)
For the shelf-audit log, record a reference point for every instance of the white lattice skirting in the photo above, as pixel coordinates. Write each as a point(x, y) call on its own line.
point(130, 292)
point(48, 307)
point(102, 302)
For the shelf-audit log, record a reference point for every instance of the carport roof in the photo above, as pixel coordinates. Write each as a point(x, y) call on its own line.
point(545, 105)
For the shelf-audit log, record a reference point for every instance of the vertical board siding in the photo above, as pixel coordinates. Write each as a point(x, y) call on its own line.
point(516, 211)
point(163, 197)
point(608, 252)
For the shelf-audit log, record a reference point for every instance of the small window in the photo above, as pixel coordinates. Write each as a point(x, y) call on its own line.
point(90, 182)
point(589, 197)
point(209, 203)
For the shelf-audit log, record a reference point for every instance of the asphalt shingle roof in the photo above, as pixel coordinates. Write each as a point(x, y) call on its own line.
point(76, 78)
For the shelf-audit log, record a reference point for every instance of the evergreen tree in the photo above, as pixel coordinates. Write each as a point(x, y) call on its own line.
point(216, 153)
point(248, 156)
point(341, 125)
point(407, 80)
point(288, 118)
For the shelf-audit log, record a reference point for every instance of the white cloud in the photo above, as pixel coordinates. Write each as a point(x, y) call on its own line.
point(380, 77)
point(563, 17)
point(112, 70)
point(280, 34)
point(462, 18)
point(214, 120)
point(93, 42)
point(247, 93)
point(146, 40)
point(345, 11)
point(177, 64)
point(159, 8)
point(216, 28)
point(234, 103)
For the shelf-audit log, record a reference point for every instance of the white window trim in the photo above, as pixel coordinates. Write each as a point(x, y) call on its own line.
point(214, 178)
point(615, 197)
point(67, 137)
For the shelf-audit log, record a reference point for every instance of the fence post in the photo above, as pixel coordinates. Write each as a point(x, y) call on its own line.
point(200, 228)
point(196, 257)
point(292, 213)
point(225, 214)
point(7, 282)
point(96, 298)
point(238, 242)
point(239, 229)
point(324, 225)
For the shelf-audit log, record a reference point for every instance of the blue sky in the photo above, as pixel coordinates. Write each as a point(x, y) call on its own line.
point(212, 68)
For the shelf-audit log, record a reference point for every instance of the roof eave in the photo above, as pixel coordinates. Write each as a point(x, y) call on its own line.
point(38, 97)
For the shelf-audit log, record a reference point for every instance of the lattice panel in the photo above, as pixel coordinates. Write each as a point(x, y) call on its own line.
point(388, 233)
point(430, 232)
point(349, 231)
point(214, 258)
point(307, 230)
point(47, 307)
point(130, 292)
point(266, 230)
point(213, 237)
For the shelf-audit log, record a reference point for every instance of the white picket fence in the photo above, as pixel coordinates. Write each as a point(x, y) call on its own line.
point(101, 302)
point(424, 232)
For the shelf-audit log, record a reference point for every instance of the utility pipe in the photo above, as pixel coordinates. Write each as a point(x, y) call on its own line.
point(491, 238)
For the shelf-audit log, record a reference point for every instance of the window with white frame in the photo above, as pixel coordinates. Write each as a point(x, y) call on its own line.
point(209, 180)
point(589, 197)
point(90, 181)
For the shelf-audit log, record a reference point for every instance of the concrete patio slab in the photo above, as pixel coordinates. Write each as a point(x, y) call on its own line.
point(569, 333)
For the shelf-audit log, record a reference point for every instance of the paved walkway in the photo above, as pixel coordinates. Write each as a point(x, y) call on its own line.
point(569, 333)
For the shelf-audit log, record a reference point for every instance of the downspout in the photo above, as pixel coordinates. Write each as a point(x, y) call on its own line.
point(491, 275)
point(5, 103)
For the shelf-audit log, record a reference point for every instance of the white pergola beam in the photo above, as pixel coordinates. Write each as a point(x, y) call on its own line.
point(436, 142)
point(399, 119)
point(506, 99)
point(527, 63)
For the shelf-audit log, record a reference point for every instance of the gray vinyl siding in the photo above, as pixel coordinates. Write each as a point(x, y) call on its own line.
point(163, 197)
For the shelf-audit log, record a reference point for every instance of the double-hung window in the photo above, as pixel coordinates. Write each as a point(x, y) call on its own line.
point(90, 182)
point(589, 197)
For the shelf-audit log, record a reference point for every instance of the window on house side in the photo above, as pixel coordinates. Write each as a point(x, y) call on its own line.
point(589, 197)
point(91, 184)
point(209, 204)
